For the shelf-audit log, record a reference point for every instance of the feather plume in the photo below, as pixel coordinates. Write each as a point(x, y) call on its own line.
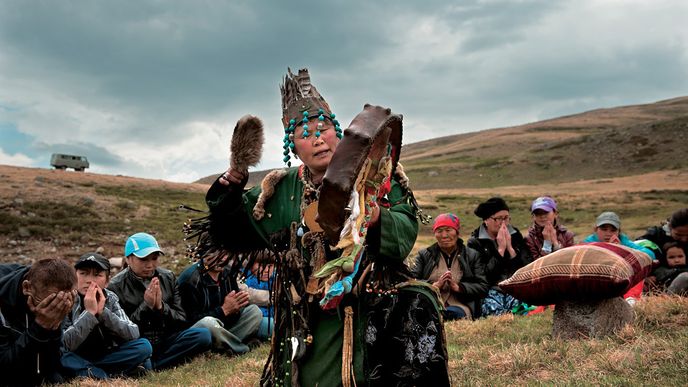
point(304, 81)
point(246, 147)
point(299, 94)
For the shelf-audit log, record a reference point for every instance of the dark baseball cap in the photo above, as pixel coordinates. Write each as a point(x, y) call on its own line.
point(93, 260)
point(608, 218)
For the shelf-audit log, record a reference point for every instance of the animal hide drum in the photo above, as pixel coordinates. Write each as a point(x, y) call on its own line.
point(368, 154)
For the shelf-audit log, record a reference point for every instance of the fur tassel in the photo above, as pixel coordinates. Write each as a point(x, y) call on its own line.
point(403, 179)
point(267, 189)
point(246, 147)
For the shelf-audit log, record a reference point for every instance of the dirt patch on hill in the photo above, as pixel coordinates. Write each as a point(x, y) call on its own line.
point(662, 180)
point(33, 183)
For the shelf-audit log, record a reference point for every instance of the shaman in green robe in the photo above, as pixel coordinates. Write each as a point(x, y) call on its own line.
point(300, 320)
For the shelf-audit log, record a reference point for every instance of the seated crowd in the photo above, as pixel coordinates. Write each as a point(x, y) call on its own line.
point(59, 322)
point(467, 276)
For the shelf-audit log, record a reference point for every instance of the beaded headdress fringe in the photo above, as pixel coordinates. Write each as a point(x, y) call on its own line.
point(301, 103)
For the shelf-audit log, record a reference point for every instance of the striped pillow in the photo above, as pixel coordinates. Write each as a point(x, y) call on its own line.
point(585, 272)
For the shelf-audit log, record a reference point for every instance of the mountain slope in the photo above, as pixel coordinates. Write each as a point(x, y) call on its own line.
point(601, 143)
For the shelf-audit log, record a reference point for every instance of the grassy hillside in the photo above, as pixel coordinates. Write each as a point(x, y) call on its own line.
point(49, 213)
point(64, 214)
point(638, 207)
point(602, 143)
point(598, 144)
point(629, 160)
point(255, 177)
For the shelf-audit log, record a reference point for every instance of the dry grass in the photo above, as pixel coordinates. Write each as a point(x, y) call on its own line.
point(520, 350)
point(510, 350)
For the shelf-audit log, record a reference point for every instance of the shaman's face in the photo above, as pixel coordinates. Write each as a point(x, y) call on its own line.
point(316, 152)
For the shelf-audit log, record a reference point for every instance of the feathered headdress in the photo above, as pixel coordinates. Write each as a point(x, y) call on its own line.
point(301, 102)
point(300, 95)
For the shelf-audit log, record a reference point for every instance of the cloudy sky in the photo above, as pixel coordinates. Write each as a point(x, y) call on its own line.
point(153, 88)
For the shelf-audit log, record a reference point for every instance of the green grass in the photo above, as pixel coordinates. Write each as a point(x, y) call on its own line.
point(45, 219)
point(157, 212)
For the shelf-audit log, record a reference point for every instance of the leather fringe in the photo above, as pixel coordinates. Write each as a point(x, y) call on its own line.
point(348, 349)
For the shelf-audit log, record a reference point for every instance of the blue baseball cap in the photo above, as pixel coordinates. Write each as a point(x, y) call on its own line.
point(141, 245)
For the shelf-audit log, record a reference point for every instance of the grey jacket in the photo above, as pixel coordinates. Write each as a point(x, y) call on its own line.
point(89, 335)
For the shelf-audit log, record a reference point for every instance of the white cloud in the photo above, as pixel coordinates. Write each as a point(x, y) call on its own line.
point(154, 89)
point(17, 159)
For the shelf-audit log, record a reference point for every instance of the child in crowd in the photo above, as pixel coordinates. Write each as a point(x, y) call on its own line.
point(608, 229)
point(672, 274)
point(674, 230)
point(258, 283)
point(546, 235)
point(100, 339)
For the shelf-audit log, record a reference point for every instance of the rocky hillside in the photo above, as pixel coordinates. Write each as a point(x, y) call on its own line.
point(52, 213)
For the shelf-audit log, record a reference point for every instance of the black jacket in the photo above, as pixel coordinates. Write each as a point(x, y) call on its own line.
point(202, 296)
point(497, 267)
point(29, 353)
point(153, 324)
point(659, 235)
point(665, 275)
point(473, 281)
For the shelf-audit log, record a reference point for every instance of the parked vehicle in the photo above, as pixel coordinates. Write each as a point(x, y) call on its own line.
point(61, 161)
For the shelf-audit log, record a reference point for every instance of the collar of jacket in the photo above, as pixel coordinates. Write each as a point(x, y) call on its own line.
point(11, 296)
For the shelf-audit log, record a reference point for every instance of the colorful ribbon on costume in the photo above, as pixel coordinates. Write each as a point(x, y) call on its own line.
point(336, 292)
point(364, 198)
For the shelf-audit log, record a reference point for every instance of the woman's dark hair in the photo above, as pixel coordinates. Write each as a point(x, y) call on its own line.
point(679, 218)
point(52, 272)
point(670, 245)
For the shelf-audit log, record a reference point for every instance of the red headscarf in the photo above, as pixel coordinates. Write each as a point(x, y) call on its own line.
point(447, 220)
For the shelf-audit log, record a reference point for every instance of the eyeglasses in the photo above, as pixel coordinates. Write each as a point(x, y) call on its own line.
point(501, 218)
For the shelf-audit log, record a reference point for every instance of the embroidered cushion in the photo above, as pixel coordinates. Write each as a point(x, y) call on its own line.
point(591, 271)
